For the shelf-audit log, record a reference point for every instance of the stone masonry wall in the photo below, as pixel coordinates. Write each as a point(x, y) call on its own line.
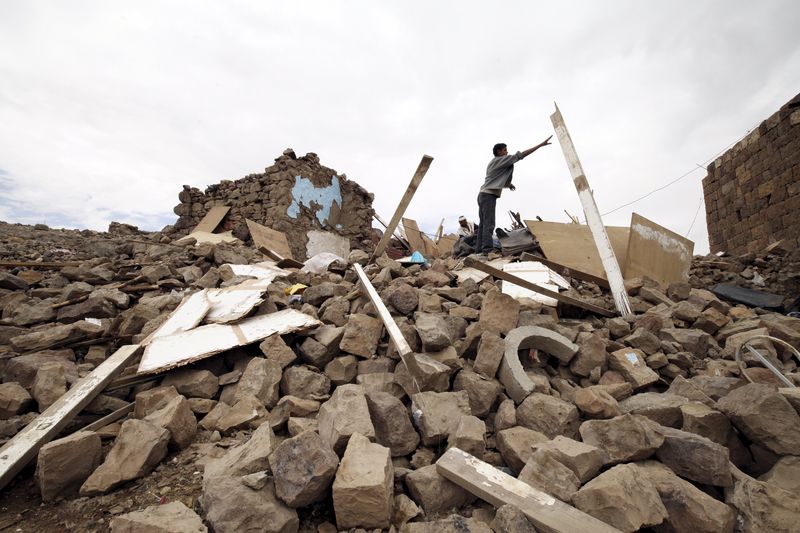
point(295, 195)
point(752, 192)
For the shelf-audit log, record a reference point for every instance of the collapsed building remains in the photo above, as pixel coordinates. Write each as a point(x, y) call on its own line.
point(293, 196)
point(752, 191)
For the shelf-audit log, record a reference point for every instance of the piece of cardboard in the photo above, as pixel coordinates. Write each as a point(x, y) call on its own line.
point(212, 219)
point(270, 240)
point(414, 235)
point(657, 253)
point(573, 246)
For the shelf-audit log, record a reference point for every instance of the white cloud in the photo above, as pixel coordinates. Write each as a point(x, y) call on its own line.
point(108, 108)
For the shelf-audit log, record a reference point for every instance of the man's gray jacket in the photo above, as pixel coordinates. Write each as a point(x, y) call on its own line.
point(499, 173)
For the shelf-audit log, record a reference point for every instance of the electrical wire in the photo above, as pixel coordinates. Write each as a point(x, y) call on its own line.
point(695, 217)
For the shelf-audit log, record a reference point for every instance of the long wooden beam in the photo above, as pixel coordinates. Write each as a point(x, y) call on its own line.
point(422, 169)
point(505, 276)
point(565, 270)
point(24, 446)
point(593, 219)
point(498, 488)
point(400, 343)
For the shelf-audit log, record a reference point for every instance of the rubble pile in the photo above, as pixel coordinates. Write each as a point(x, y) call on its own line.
point(293, 196)
point(639, 422)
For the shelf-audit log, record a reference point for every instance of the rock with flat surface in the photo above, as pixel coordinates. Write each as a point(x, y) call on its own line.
point(193, 383)
point(702, 420)
point(490, 352)
point(624, 438)
point(694, 457)
point(506, 415)
point(247, 458)
point(178, 418)
point(433, 332)
point(591, 354)
point(631, 364)
point(363, 491)
point(688, 508)
point(583, 459)
point(433, 492)
point(342, 370)
point(343, 415)
point(482, 391)
point(469, 436)
point(660, 407)
point(393, 427)
point(551, 416)
point(509, 519)
point(261, 378)
point(303, 467)
point(764, 416)
point(361, 335)
point(547, 474)
point(14, 400)
point(50, 385)
point(64, 464)
point(595, 402)
point(231, 506)
point(139, 447)
point(152, 400)
point(763, 507)
point(452, 524)
point(172, 517)
point(247, 413)
point(516, 445)
point(623, 498)
point(275, 349)
point(785, 474)
point(437, 414)
point(499, 312)
point(305, 382)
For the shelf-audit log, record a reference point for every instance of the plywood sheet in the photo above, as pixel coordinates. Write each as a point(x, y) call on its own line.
point(212, 219)
point(183, 348)
point(656, 252)
point(572, 245)
point(414, 235)
point(274, 241)
point(191, 311)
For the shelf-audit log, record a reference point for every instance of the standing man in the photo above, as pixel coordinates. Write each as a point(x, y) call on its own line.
point(498, 177)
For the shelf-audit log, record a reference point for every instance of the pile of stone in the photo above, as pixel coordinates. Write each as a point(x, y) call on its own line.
point(640, 422)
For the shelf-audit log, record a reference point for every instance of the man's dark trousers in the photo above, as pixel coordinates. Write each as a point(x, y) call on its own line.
point(486, 205)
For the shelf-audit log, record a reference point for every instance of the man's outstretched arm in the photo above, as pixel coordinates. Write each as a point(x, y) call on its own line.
point(529, 151)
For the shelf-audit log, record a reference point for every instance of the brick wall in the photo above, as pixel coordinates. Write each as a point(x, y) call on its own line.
point(295, 195)
point(752, 192)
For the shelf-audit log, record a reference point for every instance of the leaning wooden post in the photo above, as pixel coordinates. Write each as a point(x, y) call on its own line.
point(401, 208)
point(610, 263)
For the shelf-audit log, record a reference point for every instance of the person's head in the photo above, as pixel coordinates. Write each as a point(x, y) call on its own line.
point(462, 221)
point(500, 149)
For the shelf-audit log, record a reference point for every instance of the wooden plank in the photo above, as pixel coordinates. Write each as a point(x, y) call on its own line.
point(190, 312)
point(24, 446)
point(565, 271)
point(269, 239)
point(401, 239)
point(572, 245)
point(400, 343)
point(438, 234)
point(414, 235)
point(595, 222)
point(212, 219)
point(416, 179)
point(498, 488)
point(110, 418)
point(656, 252)
point(431, 248)
point(505, 276)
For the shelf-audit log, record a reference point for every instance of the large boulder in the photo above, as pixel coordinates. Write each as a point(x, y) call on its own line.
point(694, 457)
point(343, 415)
point(231, 506)
point(549, 415)
point(363, 491)
point(178, 418)
point(393, 427)
point(139, 447)
point(172, 517)
point(63, 465)
point(764, 416)
point(437, 414)
point(247, 458)
point(303, 467)
point(624, 438)
point(434, 493)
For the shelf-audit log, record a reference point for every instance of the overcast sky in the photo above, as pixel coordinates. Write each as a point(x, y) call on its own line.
point(108, 108)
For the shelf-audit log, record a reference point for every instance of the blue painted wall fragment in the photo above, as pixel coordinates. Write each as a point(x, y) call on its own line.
point(304, 193)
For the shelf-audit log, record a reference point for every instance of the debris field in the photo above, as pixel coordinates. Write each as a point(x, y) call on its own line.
point(236, 393)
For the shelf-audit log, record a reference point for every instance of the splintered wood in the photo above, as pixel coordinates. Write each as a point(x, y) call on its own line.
point(498, 488)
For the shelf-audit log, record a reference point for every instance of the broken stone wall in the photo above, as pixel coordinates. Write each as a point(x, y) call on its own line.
point(752, 192)
point(295, 195)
